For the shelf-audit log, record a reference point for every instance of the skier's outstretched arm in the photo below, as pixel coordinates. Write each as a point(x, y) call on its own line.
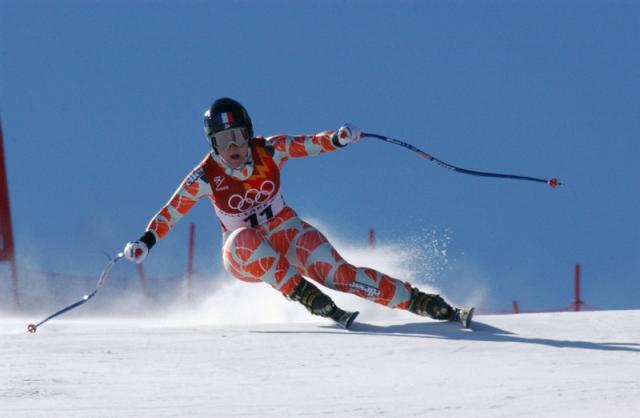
point(193, 188)
point(286, 147)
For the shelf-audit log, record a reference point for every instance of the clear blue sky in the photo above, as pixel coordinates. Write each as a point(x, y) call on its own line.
point(102, 103)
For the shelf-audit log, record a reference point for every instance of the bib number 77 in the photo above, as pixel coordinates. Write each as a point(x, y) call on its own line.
point(257, 218)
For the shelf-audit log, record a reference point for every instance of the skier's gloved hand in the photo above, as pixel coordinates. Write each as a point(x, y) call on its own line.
point(347, 134)
point(136, 251)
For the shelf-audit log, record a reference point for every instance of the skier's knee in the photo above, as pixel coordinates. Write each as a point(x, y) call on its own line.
point(242, 243)
point(243, 235)
point(239, 247)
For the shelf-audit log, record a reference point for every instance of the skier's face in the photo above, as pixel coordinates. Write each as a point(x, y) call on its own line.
point(235, 155)
point(232, 144)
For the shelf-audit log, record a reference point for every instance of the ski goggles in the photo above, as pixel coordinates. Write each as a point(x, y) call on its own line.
point(237, 136)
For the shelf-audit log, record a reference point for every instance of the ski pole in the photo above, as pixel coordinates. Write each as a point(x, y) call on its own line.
point(553, 182)
point(85, 298)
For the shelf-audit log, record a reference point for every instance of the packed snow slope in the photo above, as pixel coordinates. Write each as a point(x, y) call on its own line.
point(535, 365)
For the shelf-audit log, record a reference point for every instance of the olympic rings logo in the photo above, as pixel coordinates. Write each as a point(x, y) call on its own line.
point(252, 197)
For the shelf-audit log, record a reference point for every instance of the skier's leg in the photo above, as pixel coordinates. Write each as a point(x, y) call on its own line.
point(313, 255)
point(249, 257)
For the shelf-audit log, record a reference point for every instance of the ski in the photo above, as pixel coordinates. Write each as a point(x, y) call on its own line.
point(344, 318)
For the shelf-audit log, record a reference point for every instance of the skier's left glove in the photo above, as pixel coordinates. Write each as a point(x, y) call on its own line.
point(347, 134)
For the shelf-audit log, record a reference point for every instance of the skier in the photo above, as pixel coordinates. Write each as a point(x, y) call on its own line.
point(264, 239)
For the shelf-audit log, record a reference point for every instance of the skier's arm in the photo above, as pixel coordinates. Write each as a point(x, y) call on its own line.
point(286, 147)
point(193, 188)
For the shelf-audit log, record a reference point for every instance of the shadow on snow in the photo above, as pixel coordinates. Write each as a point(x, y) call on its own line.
point(449, 331)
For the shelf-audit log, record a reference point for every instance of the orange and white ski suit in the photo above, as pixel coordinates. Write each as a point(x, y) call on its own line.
point(264, 239)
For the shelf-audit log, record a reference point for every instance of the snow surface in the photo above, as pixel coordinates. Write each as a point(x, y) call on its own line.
point(583, 364)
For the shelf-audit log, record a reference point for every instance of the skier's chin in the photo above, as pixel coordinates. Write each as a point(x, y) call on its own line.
point(235, 160)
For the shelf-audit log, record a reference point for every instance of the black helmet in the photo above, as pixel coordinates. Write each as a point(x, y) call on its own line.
point(225, 113)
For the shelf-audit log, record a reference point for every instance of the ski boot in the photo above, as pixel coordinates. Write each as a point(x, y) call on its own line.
point(434, 306)
point(465, 316)
point(320, 304)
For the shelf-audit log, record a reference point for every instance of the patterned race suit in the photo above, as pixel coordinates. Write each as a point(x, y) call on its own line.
point(264, 239)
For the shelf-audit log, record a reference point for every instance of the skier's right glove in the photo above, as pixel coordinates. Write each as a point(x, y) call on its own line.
point(136, 251)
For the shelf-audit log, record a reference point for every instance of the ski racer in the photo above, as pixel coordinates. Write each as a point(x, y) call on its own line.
point(264, 239)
